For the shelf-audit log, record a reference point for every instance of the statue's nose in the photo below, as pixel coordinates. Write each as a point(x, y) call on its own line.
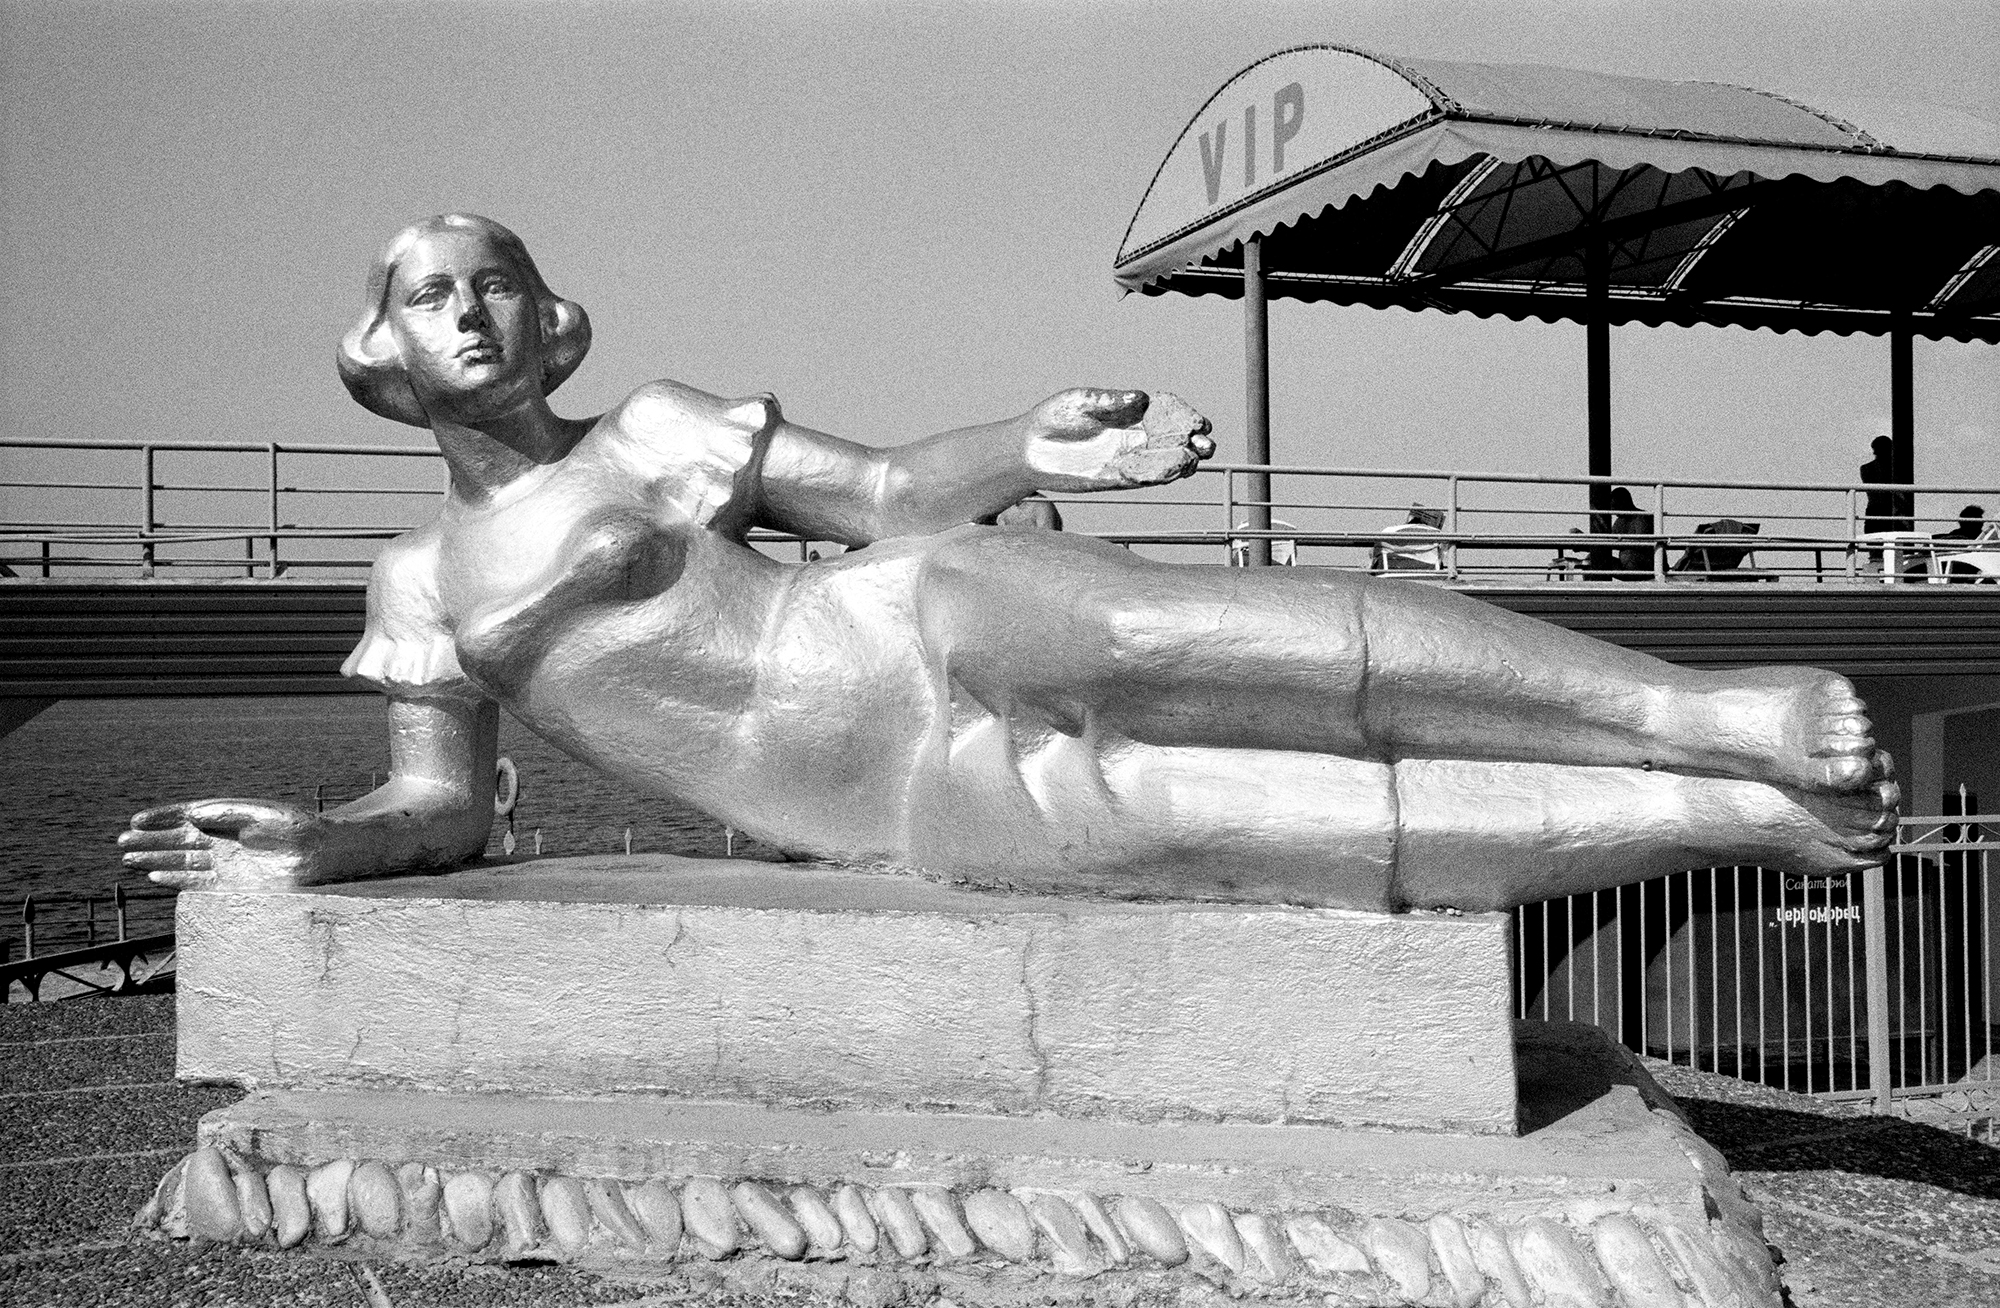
point(473, 314)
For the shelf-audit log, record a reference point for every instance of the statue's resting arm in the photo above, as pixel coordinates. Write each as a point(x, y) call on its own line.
point(435, 810)
point(824, 488)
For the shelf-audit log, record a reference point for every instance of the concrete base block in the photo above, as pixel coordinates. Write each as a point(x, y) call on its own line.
point(812, 1078)
point(1611, 1199)
point(803, 984)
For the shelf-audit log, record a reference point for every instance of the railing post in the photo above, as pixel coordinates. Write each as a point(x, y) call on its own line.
point(1228, 515)
point(1451, 525)
point(118, 903)
point(274, 510)
point(1875, 944)
point(1853, 532)
point(28, 926)
point(1660, 527)
point(146, 512)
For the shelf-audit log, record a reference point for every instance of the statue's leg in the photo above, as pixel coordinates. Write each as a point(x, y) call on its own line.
point(1305, 659)
point(1492, 835)
point(1451, 677)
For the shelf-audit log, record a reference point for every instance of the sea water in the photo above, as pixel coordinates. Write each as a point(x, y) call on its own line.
point(71, 779)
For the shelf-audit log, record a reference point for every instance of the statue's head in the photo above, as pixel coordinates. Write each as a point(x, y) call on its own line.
point(456, 310)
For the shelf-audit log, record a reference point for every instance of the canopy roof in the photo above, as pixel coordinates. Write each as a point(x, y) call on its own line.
point(1496, 189)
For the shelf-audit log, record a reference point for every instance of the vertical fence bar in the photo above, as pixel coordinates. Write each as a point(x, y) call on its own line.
point(118, 903)
point(1569, 955)
point(1986, 963)
point(1667, 961)
point(1784, 991)
point(146, 511)
point(28, 926)
point(1965, 955)
point(1902, 990)
point(1660, 570)
point(1451, 525)
point(1806, 959)
point(1695, 1009)
point(1853, 993)
point(1228, 515)
point(274, 510)
point(1853, 532)
point(1875, 941)
point(1763, 1039)
point(1714, 976)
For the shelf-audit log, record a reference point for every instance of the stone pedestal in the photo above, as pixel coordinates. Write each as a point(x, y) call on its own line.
point(872, 1081)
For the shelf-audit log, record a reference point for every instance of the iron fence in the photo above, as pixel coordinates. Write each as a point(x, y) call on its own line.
point(215, 508)
point(1880, 985)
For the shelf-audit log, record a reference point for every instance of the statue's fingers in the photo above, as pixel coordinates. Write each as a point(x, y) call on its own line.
point(189, 879)
point(230, 816)
point(154, 861)
point(183, 836)
point(166, 815)
point(1121, 408)
point(1202, 446)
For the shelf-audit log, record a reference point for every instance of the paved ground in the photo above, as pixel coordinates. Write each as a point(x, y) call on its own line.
point(1870, 1212)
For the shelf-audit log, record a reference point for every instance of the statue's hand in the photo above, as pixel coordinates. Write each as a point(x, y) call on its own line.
point(225, 842)
point(1093, 440)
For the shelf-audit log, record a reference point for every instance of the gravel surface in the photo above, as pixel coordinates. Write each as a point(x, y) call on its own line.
point(1869, 1212)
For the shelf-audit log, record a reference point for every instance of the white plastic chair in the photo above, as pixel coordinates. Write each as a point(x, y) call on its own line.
point(1395, 556)
point(1284, 553)
point(1982, 559)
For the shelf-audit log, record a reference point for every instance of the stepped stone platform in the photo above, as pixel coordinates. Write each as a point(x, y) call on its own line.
point(625, 1061)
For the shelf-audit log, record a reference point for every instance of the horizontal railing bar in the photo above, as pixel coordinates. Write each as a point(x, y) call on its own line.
point(1578, 479)
point(217, 447)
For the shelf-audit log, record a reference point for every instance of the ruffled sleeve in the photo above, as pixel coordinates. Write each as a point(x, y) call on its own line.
point(406, 650)
point(699, 451)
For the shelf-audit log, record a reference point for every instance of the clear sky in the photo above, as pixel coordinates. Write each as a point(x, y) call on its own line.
point(898, 217)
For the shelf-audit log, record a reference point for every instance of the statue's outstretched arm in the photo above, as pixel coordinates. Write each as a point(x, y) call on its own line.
point(436, 810)
point(825, 488)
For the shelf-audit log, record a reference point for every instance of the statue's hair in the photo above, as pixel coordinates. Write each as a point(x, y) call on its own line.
point(370, 363)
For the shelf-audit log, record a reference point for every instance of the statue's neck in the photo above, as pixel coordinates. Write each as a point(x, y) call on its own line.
point(493, 453)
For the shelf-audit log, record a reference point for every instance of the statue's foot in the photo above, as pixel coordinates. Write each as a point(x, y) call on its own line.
point(1817, 831)
point(1799, 728)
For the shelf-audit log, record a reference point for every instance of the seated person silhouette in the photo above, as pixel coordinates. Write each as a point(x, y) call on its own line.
point(1970, 564)
point(1720, 562)
point(1620, 563)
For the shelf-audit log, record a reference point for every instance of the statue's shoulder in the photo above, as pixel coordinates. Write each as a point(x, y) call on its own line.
point(406, 569)
point(406, 647)
point(674, 413)
point(701, 449)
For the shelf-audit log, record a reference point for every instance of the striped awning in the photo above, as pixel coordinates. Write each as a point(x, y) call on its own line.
point(1503, 189)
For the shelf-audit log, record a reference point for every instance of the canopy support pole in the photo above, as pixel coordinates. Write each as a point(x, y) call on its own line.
point(1902, 398)
point(1597, 366)
point(1257, 396)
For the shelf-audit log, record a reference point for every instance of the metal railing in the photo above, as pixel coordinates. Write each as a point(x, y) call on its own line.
point(79, 508)
point(1877, 986)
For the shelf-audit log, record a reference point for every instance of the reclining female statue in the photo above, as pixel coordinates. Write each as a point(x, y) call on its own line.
point(1002, 705)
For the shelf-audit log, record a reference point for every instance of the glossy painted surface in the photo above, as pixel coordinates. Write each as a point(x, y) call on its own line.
point(1007, 705)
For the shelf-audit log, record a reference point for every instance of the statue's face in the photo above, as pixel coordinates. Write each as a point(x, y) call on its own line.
point(466, 325)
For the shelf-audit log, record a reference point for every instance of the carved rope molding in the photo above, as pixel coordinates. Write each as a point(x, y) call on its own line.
point(1617, 1258)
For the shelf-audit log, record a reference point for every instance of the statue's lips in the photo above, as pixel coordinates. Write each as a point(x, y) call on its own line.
point(484, 350)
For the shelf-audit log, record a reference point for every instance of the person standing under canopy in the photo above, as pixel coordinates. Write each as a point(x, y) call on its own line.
point(1002, 704)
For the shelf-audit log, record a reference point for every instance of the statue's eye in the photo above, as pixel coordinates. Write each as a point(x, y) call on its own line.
point(498, 284)
point(429, 295)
